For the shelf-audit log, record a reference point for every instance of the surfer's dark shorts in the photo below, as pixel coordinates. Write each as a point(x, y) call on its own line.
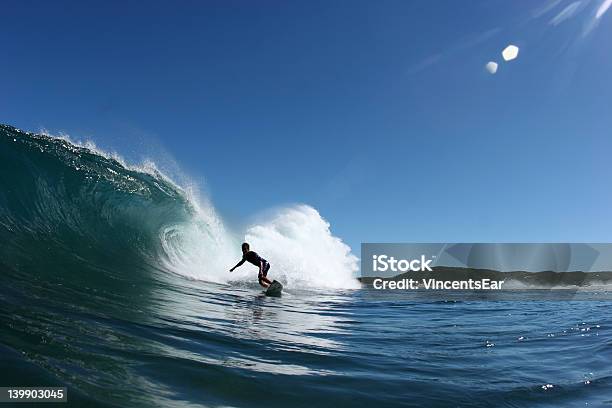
point(265, 270)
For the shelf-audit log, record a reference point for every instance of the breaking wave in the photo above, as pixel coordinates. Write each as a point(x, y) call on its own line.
point(63, 203)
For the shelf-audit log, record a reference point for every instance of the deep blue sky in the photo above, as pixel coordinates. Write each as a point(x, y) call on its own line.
point(380, 114)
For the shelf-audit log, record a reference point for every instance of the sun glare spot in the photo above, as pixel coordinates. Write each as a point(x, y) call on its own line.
point(491, 67)
point(510, 52)
point(605, 5)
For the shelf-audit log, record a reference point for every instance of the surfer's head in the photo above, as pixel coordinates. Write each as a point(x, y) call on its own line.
point(245, 247)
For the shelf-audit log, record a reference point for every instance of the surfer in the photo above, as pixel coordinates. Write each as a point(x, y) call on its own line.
point(255, 259)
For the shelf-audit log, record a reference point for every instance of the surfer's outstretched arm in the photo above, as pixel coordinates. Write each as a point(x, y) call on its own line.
point(238, 264)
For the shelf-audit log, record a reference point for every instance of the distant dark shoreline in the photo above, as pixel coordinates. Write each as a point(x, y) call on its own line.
point(543, 278)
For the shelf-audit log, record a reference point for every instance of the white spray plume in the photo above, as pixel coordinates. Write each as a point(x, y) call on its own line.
point(298, 243)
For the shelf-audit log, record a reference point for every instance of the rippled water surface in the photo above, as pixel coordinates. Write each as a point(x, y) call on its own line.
point(188, 343)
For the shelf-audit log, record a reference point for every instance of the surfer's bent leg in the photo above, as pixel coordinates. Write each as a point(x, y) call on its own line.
point(263, 280)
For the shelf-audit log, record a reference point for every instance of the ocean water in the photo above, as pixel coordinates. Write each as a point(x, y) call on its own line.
point(115, 285)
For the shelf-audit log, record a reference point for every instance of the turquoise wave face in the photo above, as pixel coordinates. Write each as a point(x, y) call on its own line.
point(66, 206)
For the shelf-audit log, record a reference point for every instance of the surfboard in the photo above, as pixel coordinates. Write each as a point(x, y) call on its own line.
point(275, 289)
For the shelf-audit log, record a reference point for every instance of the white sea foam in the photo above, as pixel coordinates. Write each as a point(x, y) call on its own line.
point(296, 241)
point(302, 250)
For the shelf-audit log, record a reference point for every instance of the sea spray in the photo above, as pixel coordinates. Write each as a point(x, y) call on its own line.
point(302, 250)
point(296, 240)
